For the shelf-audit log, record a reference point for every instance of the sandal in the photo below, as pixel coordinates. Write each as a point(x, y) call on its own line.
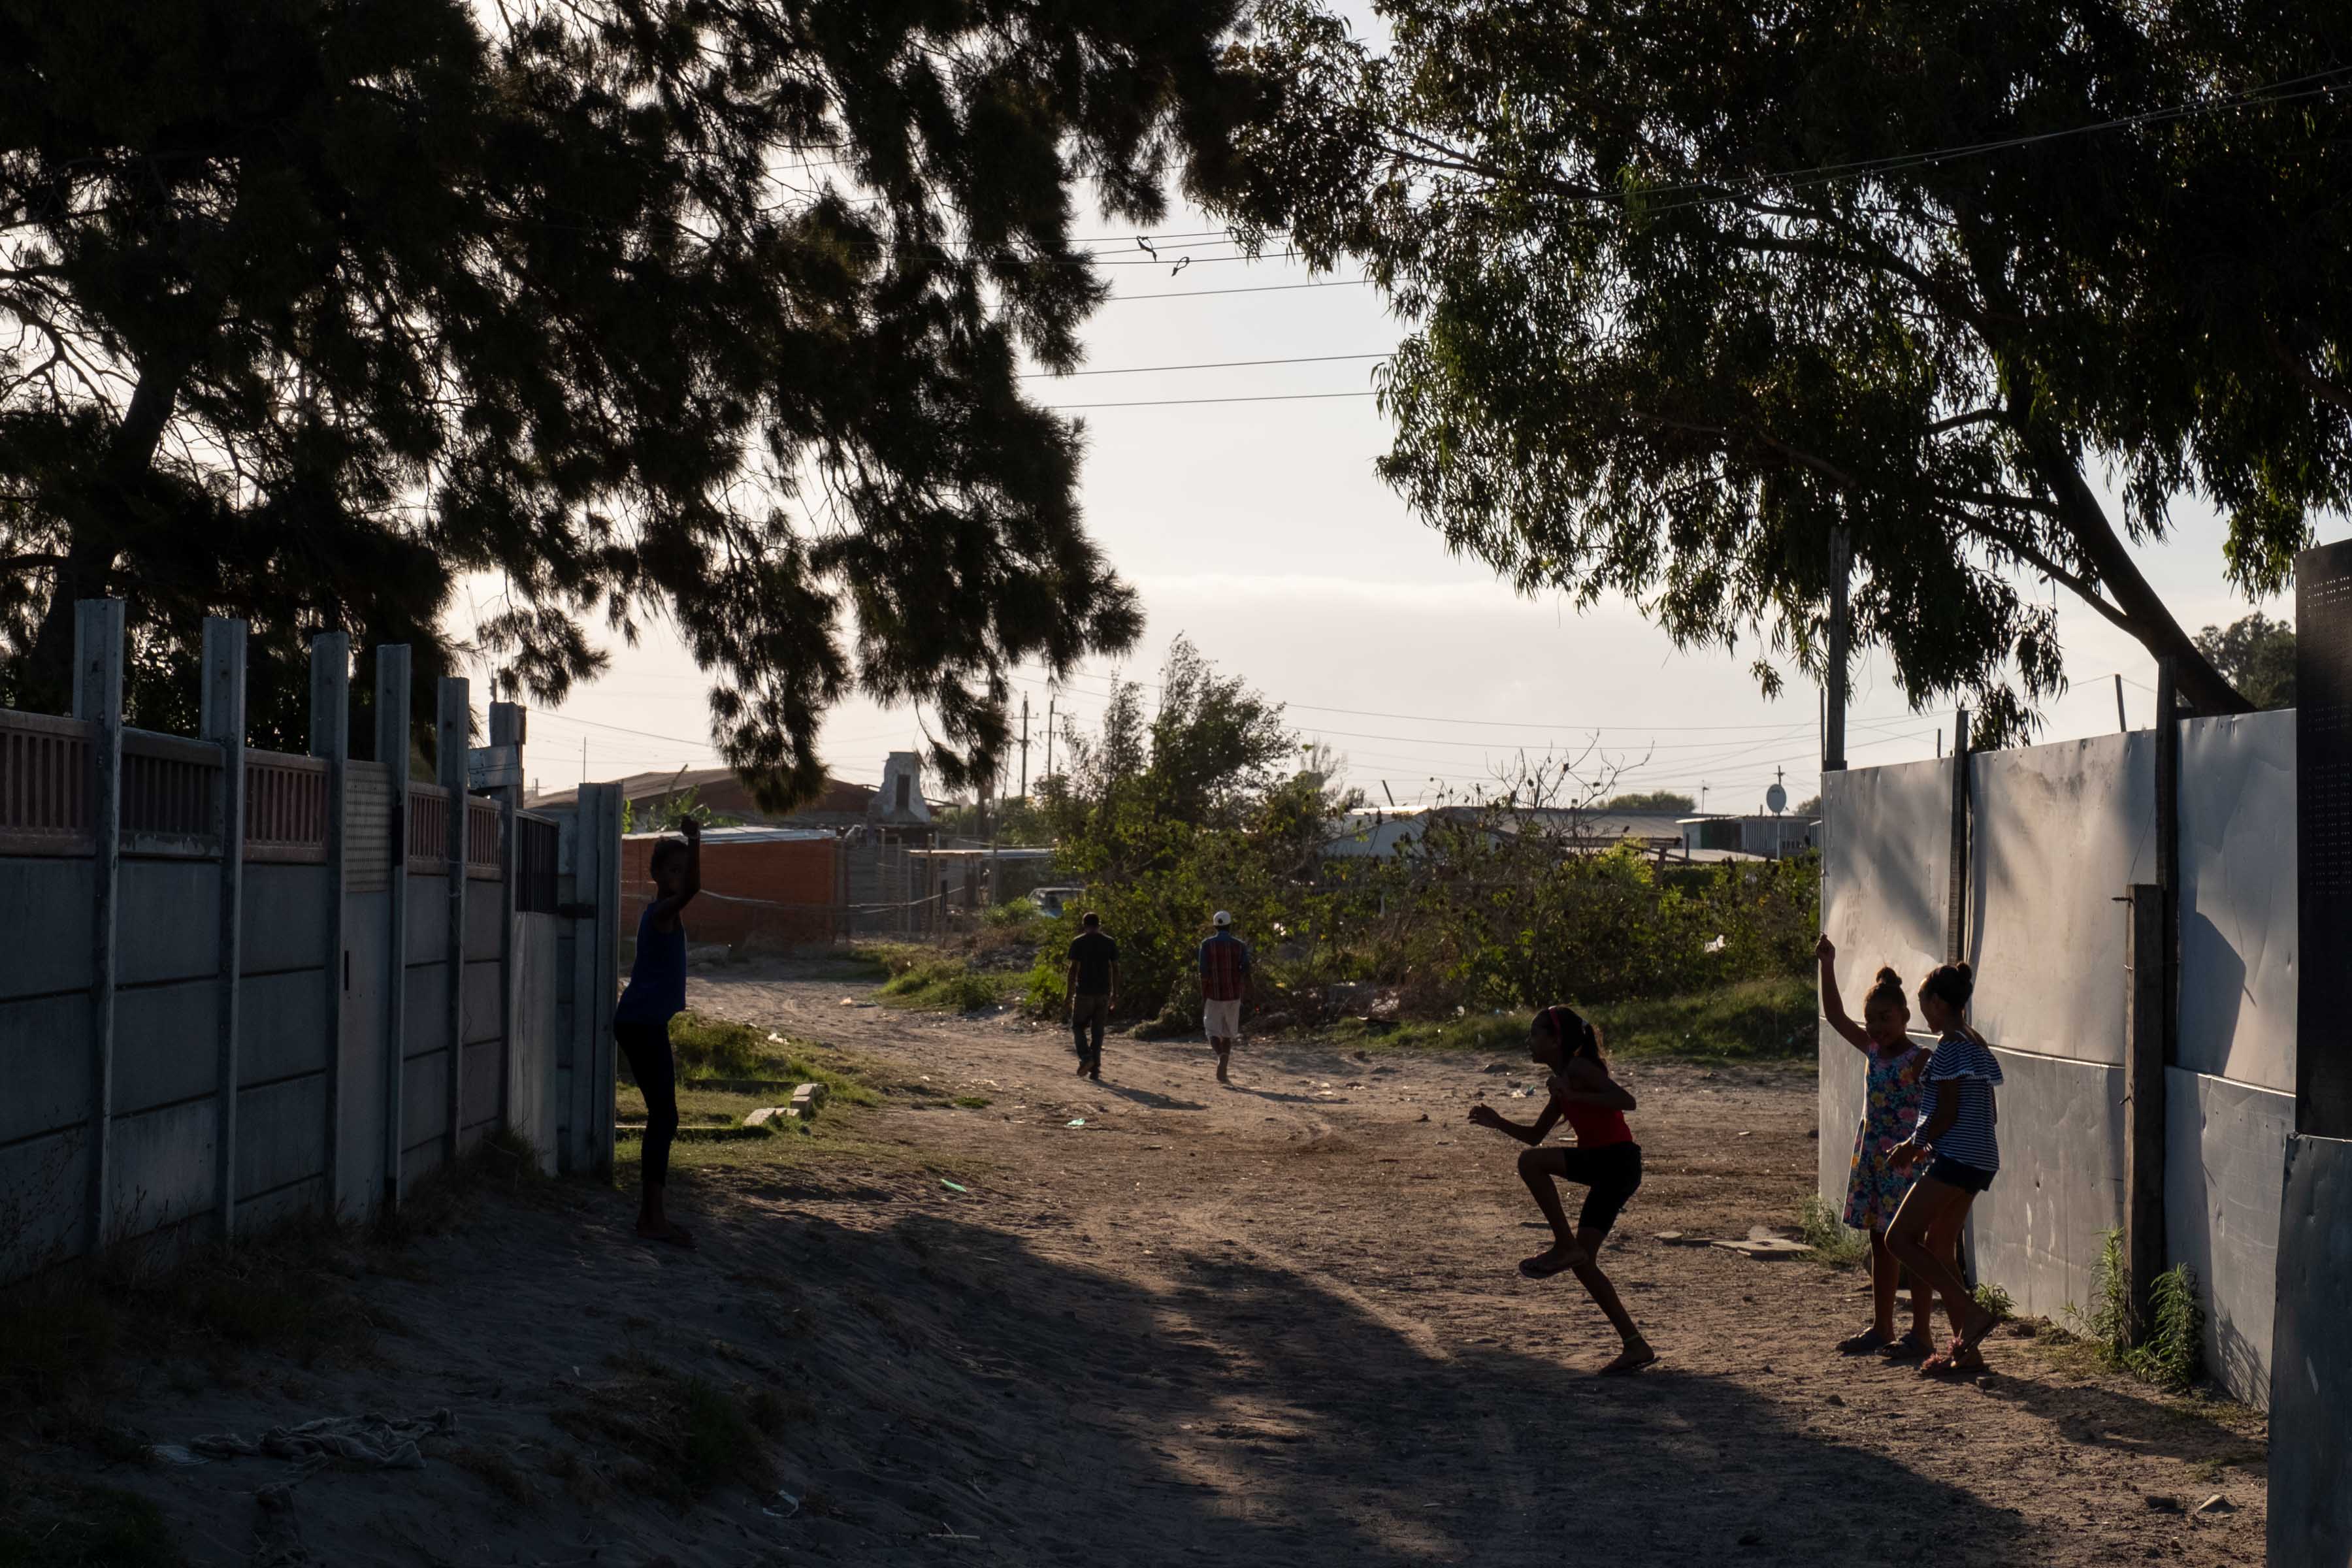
point(1909, 1348)
point(1870, 1342)
point(1957, 1361)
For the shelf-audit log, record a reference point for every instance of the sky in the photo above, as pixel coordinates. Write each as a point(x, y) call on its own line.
point(1258, 530)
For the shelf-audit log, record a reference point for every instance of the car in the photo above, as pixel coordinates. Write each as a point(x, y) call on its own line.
point(1052, 902)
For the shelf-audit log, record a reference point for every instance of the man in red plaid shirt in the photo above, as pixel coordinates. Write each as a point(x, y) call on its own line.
point(1224, 981)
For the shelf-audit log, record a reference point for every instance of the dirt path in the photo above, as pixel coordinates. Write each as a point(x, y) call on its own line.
point(1274, 1324)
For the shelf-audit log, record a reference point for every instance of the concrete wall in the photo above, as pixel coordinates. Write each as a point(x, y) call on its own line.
point(2057, 834)
point(312, 1042)
point(2310, 1524)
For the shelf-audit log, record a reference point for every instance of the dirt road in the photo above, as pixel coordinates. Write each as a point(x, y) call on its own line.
point(1273, 1324)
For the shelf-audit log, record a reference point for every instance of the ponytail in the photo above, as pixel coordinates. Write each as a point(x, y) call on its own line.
point(1577, 1036)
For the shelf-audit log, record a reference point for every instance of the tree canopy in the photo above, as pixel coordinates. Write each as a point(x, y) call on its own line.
point(1652, 800)
point(2257, 654)
point(1692, 287)
point(709, 310)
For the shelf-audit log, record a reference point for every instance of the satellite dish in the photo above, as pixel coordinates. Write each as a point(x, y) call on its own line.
point(1776, 798)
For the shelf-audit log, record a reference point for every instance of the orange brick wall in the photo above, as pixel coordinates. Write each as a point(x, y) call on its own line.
point(794, 881)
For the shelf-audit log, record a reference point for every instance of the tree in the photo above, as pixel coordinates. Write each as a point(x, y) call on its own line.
point(1695, 286)
point(1657, 800)
point(2257, 654)
point(704, 309)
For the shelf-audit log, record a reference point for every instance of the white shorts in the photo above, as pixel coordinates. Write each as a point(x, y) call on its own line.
point(1223, 1020)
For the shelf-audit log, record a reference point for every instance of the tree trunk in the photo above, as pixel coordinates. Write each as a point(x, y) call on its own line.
point(101, 522)
point(2206, 690)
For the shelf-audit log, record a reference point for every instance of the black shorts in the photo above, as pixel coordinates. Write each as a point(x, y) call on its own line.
point(1952, 1173)
point(1613, 1172)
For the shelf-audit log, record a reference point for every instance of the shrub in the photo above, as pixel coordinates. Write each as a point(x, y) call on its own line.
point(1833, 1241)
point(2171, 1353)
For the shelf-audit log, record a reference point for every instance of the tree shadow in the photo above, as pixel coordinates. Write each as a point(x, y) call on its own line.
point(1242, 1412)
point(1149, 1098)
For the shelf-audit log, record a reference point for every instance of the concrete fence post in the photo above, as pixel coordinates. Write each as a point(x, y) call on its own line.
point(330, 739)
point(2144, 950)
point(1956, 906)
point(456, 715)
point(97, 701)
point(392, 750)
point(506, 725)
point(222, 722)
point(598, 884)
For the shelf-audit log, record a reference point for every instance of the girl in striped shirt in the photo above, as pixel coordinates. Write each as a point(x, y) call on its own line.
point(1958, 1115)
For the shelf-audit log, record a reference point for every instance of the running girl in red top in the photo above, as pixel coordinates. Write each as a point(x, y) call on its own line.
point(1604, 1159)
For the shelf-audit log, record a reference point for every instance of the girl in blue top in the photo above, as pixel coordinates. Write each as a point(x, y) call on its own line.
point(1956, 1119)
point(656, 994)
point(1894, 1078)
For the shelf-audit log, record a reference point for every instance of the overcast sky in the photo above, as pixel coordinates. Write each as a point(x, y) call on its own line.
point(1258, 530)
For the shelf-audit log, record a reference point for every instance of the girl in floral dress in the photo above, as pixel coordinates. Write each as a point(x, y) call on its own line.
point(1875, 1189)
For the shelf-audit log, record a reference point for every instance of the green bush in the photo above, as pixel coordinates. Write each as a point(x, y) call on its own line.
point(716, 1047)
point(944, 984)
point(1832, 1240)
point(2171, 1353)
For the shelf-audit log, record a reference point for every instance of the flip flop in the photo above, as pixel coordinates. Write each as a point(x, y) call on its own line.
point(1909, 1348)
point(1621, 1367)
point(1870, 1342)
point(1541, 1266)
point(1968, 1342)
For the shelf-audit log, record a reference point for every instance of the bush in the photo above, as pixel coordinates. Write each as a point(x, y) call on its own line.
point(948, 984)
point(1832, 1240)
point(2171, 1353)
point(715, 1048)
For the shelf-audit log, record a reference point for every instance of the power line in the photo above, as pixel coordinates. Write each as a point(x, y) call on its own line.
point(1186, 402)
point(1206, 365)
point(1261, 288)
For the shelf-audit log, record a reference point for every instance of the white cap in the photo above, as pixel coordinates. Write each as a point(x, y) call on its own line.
point(1224, 918)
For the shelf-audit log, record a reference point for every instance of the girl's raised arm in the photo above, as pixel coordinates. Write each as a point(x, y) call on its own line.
point(1832, 1007)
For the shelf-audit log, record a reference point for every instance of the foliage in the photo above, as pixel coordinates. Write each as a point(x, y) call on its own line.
point(685, 310)
point(1994, 1300)
point(705, 1047)
point(1771, 1018)
point(949, 984)
point(1656, 800)
point(2170, 1353)
point(1688, 295)
point(2258, 655)
point(666, 814)
point(1012, 821)
point(1834, 1242)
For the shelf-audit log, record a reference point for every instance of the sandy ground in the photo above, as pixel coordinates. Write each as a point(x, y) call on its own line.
point(1273, 1324)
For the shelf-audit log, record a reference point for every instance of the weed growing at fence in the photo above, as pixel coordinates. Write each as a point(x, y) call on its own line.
point(1996, 1300)
point(1834, 1242)
point(2172, 1354)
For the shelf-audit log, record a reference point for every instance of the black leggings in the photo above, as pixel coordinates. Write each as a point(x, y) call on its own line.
point(646, 1044)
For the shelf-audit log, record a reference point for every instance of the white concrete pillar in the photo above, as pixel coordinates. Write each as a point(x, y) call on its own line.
point(222, 722)
point(455, 714)
point(97, 701)
point(330, 739)
point(392, 750)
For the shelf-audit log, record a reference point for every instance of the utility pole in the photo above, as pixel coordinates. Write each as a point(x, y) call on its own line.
point(1049, 737)
point(1024, 746)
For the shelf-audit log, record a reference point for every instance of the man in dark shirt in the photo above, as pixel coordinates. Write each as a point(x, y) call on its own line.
point(1092, 984)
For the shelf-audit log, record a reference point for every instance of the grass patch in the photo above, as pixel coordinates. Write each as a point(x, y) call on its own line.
point(498, 1472)
point(934, 981)
point(749, 1051)
point(1833, 1241)
point(1754, 1020)
point(682, 1439)
point(708, 1047)
point(972, 1102)
point(69, 1524)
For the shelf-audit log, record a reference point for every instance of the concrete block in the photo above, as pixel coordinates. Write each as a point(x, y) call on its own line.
point(42, 1182)
point(52, 953)
point(428, 914)
point(485, 908)
point(282, 1135)
point(426, 1008)
point(45, 1061)
point(281, 1025)
point(809, 1099)
point(767, 1114)
point(484, 1019)
point(167, 928)
point(2040, 1233)
point(2225, 1148)
point(283, 917)
point(2311, 1369)
point(162, 1167)
point(424, 1107)
point(166, 1044)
